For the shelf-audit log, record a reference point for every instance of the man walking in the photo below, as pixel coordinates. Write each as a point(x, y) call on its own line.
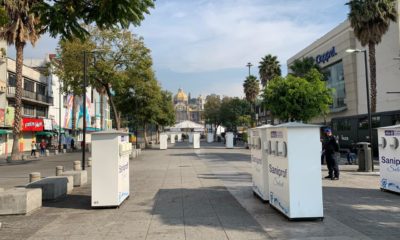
point(330, 147)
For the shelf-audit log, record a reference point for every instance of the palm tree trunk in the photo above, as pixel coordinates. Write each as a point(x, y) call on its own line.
point(372, 69)
point(19, 47)
point(114, 109)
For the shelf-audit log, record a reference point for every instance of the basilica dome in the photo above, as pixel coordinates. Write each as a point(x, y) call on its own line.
point(181, 96)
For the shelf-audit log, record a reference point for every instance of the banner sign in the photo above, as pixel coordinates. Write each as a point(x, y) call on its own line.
point(48, 124)
point(32, 124)
point(9, 118)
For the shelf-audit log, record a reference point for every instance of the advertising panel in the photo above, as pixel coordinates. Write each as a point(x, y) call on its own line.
point(32, 124)
point(389, 157)
point(2, 116)
point(9, 118)
point(48, 124)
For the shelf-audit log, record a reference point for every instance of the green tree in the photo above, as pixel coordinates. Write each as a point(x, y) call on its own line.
point(234, 112)
point(166, 115)
point(301, 67)
point(212, 109)
point(298, 99)
point(370, 20)
point(269, 68)
point(26, 20)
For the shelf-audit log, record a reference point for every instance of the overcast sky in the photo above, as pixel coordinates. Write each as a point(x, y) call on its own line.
point(203, 46)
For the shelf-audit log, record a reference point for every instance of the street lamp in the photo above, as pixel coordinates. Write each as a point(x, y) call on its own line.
point(249, 65)
point(368, 97)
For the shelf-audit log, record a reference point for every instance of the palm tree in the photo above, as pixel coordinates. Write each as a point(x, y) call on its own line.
point(370, 20)
point(300, 67)
point(251, 88)
point(269, 68)
point(20, 28)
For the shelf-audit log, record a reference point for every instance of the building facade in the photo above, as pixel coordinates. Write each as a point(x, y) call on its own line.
point(187, 108)
point(345, 72)
point(44, 110)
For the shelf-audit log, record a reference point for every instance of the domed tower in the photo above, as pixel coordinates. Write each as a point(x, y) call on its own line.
point(181, 97)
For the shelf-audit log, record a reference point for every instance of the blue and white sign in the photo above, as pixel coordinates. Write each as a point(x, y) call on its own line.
point(389, 157)
point(326, 56)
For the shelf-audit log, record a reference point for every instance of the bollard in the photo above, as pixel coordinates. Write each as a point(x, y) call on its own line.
point(24, 157)
point(37, 154)
point(77, 166)
point(56, 152)
point(34, 176)
point(89, 162)
point(47, 153)
point(59, 170)
point(64, 150)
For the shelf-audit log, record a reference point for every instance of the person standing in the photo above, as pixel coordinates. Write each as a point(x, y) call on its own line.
point(42, 147)
point(330, 148)
point(33, 147)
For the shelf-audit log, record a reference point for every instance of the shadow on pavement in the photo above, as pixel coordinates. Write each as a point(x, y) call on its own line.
point(71, 202)
point(370, 211)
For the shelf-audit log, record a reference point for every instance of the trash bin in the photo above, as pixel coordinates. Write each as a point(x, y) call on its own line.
point(364, 157)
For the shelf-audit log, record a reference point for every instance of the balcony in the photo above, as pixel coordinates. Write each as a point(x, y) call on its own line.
point(30, 96)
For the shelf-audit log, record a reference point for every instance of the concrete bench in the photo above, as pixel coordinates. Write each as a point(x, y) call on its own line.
point(80, 177)
point(53, 187)
point(20, 200)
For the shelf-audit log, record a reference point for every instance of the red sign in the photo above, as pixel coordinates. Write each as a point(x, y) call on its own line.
point(32, 124)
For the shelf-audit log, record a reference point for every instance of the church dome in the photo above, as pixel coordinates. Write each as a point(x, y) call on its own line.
point(181, 96)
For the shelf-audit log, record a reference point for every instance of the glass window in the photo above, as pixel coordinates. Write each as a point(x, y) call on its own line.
point(29, 110)
point(12, 80)
point(335, 79)
point(363, 122)
point(41, 89)
point(343, 125)
point(396, 119)
point(40, 111)
point(29, 85)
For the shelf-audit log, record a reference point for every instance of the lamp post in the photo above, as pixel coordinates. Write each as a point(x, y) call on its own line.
point(249, 65)
point(84, 108)
point(368, 97)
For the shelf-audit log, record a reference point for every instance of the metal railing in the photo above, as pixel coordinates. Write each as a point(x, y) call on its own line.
point(30, 95)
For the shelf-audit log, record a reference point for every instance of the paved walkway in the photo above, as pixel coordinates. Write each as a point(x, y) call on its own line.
point(183, 193)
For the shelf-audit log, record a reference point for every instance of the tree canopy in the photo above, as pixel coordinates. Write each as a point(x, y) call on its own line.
point(301, 67)
point(298, 99)
point(251, 88)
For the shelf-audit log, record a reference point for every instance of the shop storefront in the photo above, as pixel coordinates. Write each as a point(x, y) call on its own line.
point(30, 127)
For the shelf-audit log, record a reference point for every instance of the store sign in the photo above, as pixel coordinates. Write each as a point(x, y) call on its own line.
point(48, 125)
point(325, 57)
point(32, 124)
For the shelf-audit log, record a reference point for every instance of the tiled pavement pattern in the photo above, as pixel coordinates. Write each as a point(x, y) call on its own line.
point(183, 193)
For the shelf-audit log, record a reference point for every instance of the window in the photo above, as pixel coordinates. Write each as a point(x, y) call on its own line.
point(41, 89)
point(334, 77)
point(396, 119)
point(40, 111)
point(29, 85)
point(29, 110)
point(12, 79)
point(363, 122)
point(343, 125)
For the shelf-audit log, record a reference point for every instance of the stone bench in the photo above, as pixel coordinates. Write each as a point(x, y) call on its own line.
point(20, 200)
point(53, 187)
point(80, 177)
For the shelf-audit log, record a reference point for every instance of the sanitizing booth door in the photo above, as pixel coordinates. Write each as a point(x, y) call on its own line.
point(110, 168)
point(294, 165)
point(389, 157)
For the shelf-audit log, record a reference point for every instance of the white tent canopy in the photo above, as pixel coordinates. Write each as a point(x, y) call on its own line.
point(188, 125)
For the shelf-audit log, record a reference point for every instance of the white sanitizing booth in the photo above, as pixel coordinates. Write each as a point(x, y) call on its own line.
point(210, 137)
point(229, 139)
point(190, 137)
point(389, 157)
point(163, 141)
point(259, 161)
point(110, 168)
point(172, 137)
point(196, 140)
point(294, 165)
point(179, 137)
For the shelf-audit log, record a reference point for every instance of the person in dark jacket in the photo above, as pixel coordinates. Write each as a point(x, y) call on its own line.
point(330, 148)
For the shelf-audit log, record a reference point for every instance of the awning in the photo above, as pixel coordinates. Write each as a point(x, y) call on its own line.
point(46, 134)
point(4, 132)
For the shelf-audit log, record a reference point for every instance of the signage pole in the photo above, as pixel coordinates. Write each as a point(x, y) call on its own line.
point(84, 108)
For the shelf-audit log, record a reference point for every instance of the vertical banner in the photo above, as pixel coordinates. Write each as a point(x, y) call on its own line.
point(9, 118)
point(2, 116)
